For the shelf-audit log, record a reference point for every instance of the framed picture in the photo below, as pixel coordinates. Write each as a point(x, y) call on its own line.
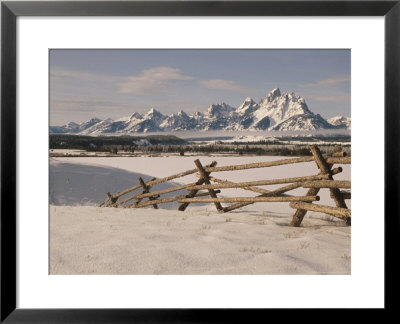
point(183, 72)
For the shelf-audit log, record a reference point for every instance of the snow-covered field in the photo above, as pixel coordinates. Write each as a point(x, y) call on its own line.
point(252, 240)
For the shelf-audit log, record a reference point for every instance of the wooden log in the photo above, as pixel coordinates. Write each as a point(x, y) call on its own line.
point(332, 160)
point(146, 189)
point(333, 171)
point(261, 182)
point(336, 170)
point(202, 194)
point(254, 189)
point(319, 159)
point(260, 190)
point(345, 194)
point(325, 167)
point(141, 182)
point(165, 200)
point(300, 213)
point(342, 213)
point(206, 179)
point(121, 202)
point(121, 193)
point(157, 194)
point(164, 191)
point(338, 160)
point(156, 181)
point(275, 192)
point(156, 201)
point(250, 199)
point(193, 193)
point(328, 184)
point(110, 198)
point(339, 154)
point(259, 164)
point(210, 168)
point(108, 201)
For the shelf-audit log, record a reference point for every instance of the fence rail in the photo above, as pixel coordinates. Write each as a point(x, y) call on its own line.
point(208, 185)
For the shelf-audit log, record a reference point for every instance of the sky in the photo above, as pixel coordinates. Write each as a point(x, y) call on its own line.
point(116, 83)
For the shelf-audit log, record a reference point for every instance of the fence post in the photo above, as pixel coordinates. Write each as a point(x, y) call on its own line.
point(111, 198)
point(192, 193)
point(325, 168)
point(206, 180)
point(146, 189)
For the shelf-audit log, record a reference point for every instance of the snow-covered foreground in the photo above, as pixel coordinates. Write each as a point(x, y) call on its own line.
point(93, 240)
point(253, 240)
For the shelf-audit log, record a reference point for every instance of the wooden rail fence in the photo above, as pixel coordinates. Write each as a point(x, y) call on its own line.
point(208, 185)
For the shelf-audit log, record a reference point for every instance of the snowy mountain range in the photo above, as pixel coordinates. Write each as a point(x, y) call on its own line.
point(340, 120)
point(276, 112)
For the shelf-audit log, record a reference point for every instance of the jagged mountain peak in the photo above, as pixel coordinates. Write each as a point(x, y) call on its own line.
point(247, 106)
point(277, 107)
point(274, 93)
point(72, 124)
point(93, 120)
point(340, 121)
point(221, 105)
point(135, 115)
point(181, 113)
point(87, 124)
point(179, 121)
point(155, 116)
point(248, 100)
point(153, 111)
point(217, 110)
point(277, 111)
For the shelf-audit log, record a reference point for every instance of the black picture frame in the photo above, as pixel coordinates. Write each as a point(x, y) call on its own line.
point(10, 10)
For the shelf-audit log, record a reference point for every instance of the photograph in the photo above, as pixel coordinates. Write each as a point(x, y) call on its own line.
point(192, 161)
point(199, 161)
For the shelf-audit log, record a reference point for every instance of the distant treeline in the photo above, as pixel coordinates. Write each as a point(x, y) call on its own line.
point(225, 148)
point(106, 143)
point(274, 149)
point(171, 144)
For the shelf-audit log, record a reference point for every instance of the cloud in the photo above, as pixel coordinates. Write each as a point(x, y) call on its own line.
point(330, 82)
point(225, 85)
point(150, 81)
